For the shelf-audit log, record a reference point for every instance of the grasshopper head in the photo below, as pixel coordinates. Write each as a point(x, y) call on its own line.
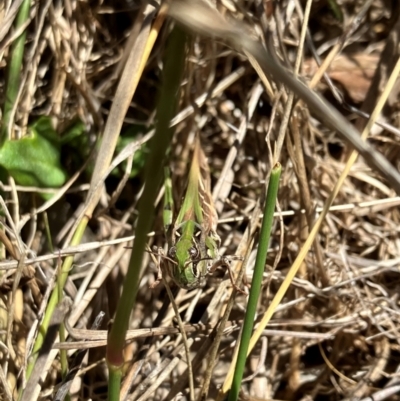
point(188, 270)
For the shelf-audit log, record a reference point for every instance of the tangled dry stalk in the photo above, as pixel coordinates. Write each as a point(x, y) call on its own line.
point(335, 334)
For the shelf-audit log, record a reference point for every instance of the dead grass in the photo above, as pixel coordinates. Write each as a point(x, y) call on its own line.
point(335, 334)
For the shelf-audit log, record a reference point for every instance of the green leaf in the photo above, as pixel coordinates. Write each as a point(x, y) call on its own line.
point(35, 159)
point(132, 134)
point(74, 131)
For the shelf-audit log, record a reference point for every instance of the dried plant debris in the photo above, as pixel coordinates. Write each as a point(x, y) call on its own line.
point(335, 334)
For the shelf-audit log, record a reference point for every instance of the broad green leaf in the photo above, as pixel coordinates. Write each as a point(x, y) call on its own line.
point(35, 159)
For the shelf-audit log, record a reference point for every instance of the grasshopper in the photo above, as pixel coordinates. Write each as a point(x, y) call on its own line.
point(193, 240)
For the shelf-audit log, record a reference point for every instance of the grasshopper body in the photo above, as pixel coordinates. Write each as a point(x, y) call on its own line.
point(194, 242)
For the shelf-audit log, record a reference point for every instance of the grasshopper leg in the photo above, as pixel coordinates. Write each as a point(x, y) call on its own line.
point(160, 253)
point(225, 261)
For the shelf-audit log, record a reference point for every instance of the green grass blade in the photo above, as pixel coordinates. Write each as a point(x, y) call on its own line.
point(173, 68)
point(265, 234)
point(168, 200)
point(14, 71)
point(53, 301)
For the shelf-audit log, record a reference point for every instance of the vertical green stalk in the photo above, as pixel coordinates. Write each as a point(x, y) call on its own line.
point(255, 289)
point(337, 11)
point(62, 335)
point(14, 71)
point(54, 298)
point(166, 108)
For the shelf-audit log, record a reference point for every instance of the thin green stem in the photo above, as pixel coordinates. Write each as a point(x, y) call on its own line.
point(54, 298)
point(14, 72)
point(114, 383)
point(166, 108)
point(255, 289)
point(62, 334)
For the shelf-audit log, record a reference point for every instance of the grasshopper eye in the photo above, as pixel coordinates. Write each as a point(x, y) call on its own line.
point(172, 252)
point(194, 253)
